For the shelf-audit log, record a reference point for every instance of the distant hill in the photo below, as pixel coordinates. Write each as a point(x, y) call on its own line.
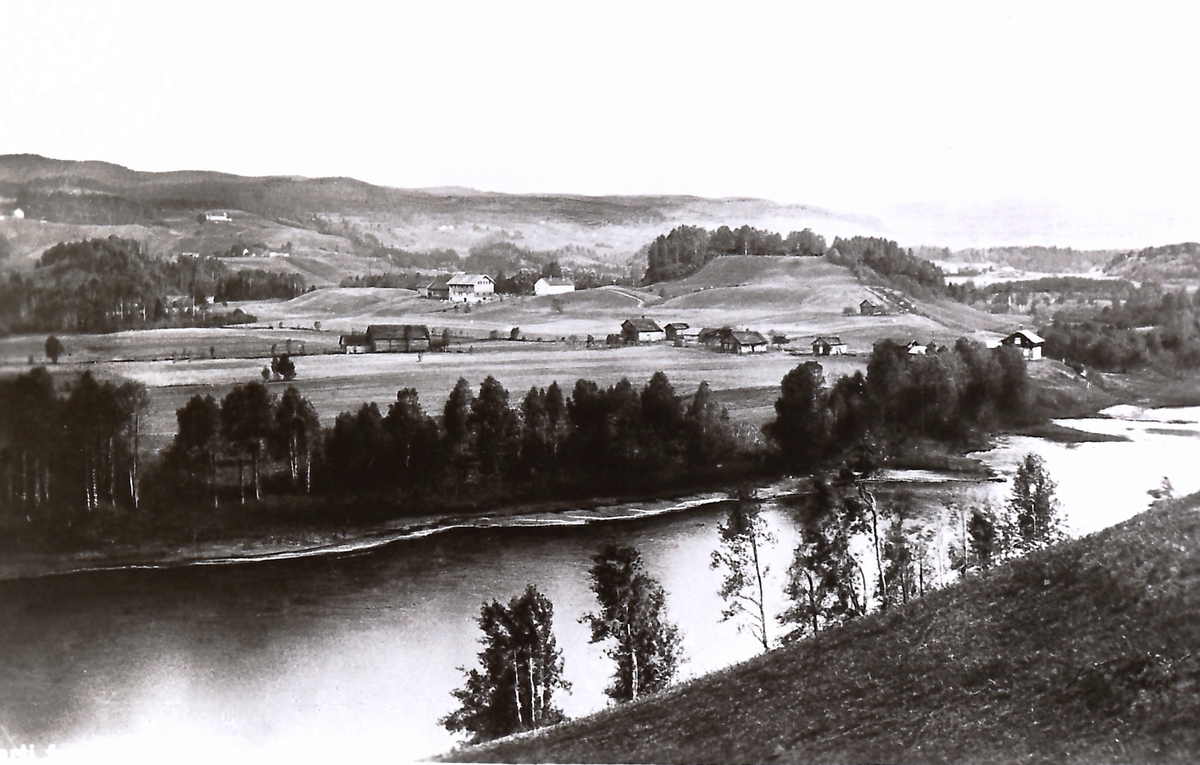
point(344, 226)
point(1082, 653)
point(1173, 262)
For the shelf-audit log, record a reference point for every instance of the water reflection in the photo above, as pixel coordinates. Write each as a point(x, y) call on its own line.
point(354, 657)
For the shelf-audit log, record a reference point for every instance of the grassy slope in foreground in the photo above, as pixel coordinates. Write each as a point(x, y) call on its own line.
point(1083, 653)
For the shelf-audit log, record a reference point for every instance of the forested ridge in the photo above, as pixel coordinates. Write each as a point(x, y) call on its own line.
point(686, 249)
point(103, 285)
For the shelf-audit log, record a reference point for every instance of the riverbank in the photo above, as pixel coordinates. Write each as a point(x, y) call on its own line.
point(1080, 653)
point(301, 543)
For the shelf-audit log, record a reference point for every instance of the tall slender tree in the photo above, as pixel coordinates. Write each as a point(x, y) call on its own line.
point(198, 439)
point(296, 428)
point(1033, 506)
point(739, 555)
point(645, 645)
point(824, 579)
point(520, 668)
point(247, 422)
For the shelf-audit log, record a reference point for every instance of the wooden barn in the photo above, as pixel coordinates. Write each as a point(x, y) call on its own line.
point(397, 338)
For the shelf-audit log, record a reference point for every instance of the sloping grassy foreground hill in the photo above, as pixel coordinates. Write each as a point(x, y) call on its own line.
point(1085, 653)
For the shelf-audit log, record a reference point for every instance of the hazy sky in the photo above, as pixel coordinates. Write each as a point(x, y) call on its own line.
point(856, 107)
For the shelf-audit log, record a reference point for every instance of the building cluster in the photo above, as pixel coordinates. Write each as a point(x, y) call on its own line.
point(728, 339)
point(459, 288)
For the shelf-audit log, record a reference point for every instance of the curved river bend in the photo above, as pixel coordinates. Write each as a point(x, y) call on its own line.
point(353, 656)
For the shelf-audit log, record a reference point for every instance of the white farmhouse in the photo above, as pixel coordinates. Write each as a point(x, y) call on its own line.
point(546, 286)
point(470, 288)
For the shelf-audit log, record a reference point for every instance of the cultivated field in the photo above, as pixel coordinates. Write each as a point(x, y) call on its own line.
point(800, 297)
point(336, 383)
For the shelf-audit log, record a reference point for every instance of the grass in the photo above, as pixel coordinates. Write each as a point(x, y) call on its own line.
point(1081, 653)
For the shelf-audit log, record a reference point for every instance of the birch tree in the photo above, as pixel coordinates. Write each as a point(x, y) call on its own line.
point(520, 668)
point(739, 556)
point(645, 645)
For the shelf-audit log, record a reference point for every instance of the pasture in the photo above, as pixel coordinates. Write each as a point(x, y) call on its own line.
point(334, 383)
point(799, 297)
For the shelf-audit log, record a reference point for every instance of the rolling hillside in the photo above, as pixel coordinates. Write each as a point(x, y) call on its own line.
point(336, 225)
point(799, 297)
point(1082, 653)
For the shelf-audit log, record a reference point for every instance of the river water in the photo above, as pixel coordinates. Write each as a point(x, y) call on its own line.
point(353, 656)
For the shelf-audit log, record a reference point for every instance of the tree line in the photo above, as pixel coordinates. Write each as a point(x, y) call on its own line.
point(945, 394)
point(869, 256)
point(104, 285)
point(68, 453)
point(617, 438)
point(686, 249)
point(1150, 327)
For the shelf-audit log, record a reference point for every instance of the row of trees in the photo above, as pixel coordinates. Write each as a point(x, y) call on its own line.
point(69, 451)
point(686, 249)
point(875, 256)
point(617, 438)
point(246, 425)
point(944, 395)
point(520, 666)
point(828, 584)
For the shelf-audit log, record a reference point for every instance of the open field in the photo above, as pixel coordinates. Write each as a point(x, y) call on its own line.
point(336, 383)
point(800, 297)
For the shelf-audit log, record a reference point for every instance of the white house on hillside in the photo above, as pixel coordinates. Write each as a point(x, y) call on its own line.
point(546, 286)
point(470, 288)
point(1029, 343)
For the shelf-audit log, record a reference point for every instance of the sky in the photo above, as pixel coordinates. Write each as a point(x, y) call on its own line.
point(949, 113)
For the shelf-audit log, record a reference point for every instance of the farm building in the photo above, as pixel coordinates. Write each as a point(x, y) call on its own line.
point(397, 338)
point(867, 308)
point(355, 342)
point(438, 289)
point(1029, 343)
point(743, 342)
point(546, 286)
point(712, 336)
point(218, 217)
point(675, 330)
point(470, 288)
point(828, 346)
point(916, 349)
point(641, 330)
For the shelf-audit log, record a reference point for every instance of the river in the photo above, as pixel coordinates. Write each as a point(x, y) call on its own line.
point(353, 656)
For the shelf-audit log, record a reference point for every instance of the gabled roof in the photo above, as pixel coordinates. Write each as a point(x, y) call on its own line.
point(557, 282)
point(354, 338)
point(1030, 337)
point(746, 337)
point(831, 340)
point(870, 303)
point(642, 325)
point(440, 282)
point(676, 325)
point(467, 280)
point(710, 332)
